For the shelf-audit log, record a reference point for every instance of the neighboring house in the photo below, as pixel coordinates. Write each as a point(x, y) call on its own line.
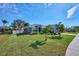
point(36, 28)
point(4, 28)
point(55, 29)
point(23, 31)
point(17, 31)
point(27, 30)
point(69, 30)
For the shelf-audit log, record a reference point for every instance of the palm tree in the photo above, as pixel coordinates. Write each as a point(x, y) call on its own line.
point(4, 24)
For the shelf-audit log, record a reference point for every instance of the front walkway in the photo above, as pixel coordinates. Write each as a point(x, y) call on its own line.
point(73, 48)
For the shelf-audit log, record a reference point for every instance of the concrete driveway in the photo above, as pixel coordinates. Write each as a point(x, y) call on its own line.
point(73, 48)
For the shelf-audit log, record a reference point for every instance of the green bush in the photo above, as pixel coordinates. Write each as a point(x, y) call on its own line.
point(57, 37)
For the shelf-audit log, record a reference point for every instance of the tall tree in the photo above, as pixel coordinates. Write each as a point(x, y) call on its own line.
point(19, 24)
point(60, 27)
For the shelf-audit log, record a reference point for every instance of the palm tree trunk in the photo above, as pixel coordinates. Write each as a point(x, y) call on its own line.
point(4, 27)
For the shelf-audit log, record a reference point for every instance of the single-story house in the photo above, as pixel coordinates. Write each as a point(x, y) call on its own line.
point(55, 29)
point(36, 28)
point(69, 30)
point(4, 28)
point(23, 31)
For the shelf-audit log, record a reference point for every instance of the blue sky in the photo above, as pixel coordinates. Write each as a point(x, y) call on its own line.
point(42, 13)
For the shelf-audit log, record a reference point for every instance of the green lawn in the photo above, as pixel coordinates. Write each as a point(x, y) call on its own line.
point(25, 45)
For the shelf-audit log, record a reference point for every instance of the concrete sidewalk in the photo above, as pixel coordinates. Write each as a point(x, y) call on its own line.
point(73, 48)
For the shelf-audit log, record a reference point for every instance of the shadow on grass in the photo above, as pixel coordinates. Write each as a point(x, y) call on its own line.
point(56, 37)
point(36, 44)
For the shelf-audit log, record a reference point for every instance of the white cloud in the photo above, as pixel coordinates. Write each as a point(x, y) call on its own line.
point(8, 8)
point(48, 5)
point(71, 11)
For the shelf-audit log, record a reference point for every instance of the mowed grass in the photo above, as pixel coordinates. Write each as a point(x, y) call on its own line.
point(12, 45)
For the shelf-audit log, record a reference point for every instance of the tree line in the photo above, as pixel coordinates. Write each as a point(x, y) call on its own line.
point(20, 24)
